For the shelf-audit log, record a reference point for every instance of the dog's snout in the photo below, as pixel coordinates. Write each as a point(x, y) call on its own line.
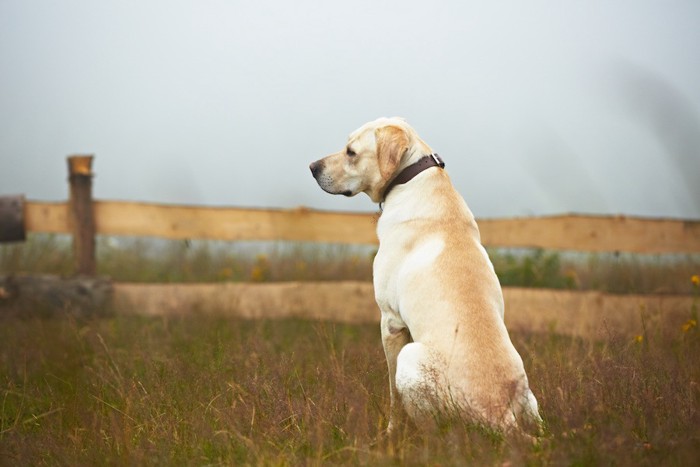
point(316, 168)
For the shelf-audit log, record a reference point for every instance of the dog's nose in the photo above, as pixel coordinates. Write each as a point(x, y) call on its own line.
point(316, 168)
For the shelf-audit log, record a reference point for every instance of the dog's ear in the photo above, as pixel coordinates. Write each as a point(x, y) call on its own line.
point(392, 144)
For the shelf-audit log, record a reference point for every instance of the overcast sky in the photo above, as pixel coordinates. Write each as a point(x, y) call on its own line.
point(538, 107)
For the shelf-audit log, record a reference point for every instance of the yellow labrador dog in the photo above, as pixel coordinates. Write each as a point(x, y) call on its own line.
point(445, 341)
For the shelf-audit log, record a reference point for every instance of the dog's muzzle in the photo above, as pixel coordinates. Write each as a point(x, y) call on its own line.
point(324, 181)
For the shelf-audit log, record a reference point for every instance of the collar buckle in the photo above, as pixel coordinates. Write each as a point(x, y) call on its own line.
point(437, 160)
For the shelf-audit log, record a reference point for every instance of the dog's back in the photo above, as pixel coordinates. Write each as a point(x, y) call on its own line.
point(438, 276)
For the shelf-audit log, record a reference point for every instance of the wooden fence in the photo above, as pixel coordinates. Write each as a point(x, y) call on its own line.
point(566, 232)
point(84, 218)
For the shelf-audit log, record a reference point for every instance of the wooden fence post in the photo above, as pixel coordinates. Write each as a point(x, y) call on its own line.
point(81, 214)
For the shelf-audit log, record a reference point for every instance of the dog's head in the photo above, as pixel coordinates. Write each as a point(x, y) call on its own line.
point(372, 157)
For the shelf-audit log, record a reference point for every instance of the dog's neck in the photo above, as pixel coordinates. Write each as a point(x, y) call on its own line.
point(407, 174)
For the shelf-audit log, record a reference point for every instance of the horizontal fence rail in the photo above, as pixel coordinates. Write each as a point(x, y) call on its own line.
point(565, 232)
point(186, 222)
point(583, 314)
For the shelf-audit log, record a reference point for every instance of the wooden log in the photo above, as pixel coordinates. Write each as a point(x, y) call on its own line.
point(81, 216)
point(51, 294)
point(12, 219)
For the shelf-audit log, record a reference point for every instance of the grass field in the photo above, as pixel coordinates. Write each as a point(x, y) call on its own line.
point(205, 390)
point(149, 260)
point(210, 390)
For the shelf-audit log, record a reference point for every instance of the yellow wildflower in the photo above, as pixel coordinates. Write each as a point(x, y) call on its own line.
point(638, 339)
point(688, 325)
point(257, 274)
point(695, 279)
point(261, 269)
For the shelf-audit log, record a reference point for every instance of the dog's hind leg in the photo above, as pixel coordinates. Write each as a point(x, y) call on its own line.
point(418, 381)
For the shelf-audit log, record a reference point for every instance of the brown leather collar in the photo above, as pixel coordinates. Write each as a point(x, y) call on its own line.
point(407, 174)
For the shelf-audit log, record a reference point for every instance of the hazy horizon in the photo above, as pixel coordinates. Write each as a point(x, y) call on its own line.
point(537, 108)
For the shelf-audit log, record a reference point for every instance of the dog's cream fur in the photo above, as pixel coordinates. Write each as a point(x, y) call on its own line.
point(445, 341)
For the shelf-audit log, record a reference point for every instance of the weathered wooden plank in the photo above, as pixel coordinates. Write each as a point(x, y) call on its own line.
point(569, 232)
point(594, 233)
point(594, 314)
point(178, 222)
point(584, 314)
point(46, 217)
point(342, 301)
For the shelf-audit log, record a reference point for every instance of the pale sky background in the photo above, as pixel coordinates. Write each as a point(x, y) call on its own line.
point(538, 107)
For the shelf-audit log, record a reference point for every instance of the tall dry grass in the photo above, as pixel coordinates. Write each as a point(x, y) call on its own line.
point(149, 260)
point(216, 391)
point(153, 260)
point(205, 390)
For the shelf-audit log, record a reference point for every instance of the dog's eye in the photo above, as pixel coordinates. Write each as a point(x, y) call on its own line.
point(350, 152)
